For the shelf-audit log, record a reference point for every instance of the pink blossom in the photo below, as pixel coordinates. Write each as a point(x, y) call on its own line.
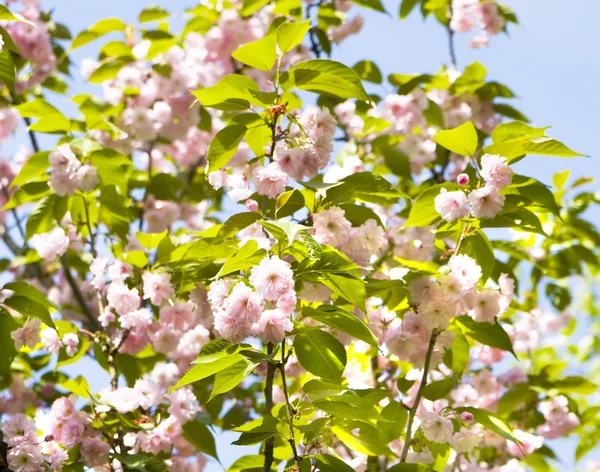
point(436, 428)
point(157, 287)
point(50, 340)
point(272, 326)
point(51, 244)
point(462, 179)
point(25, 458)
point(184, 405)
point(244, 304)
point(94, 452)
point(486, 202)
point(485, 306)
point(465, 271)
point(18, 430)
point(495, 171)
point(331, 227)
point(136, 319)
point(123, 299)
point(123, 399)
point(272, 278)
point(451, 205)
point(28, 335)
point(86, 178)
point(270, 180)
point(527, 444)
point(71, 342)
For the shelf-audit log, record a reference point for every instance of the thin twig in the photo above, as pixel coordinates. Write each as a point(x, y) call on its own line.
point(413, 410)
point(77, 294)
point(288, 405)
point(451, 37)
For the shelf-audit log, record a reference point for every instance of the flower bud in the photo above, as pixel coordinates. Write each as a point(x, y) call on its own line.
point(462, 179)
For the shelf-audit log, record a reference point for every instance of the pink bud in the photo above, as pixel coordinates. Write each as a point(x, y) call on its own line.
point(49, 438)
point(252, 205)
point(465, 415)
point(418, 244)
point(462, 179)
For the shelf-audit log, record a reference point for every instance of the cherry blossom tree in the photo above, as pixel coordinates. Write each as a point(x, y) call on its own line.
point(247, 236)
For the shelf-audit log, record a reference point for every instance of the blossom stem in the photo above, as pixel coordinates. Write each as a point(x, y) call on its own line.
point(288, 405)
point(270, 442)
point(415, 407)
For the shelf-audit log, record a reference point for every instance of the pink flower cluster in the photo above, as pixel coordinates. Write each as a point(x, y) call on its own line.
point(359, 243)
point(68, 174)
point(240, 311)
point(468, 14)
point(34, 43)
point(28, 452)
point(484, 202)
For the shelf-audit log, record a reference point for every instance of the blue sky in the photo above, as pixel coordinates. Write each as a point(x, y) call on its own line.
point(550, 62)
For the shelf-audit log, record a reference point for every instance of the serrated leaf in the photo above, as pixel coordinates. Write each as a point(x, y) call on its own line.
point(291, 34)
point(324, 77)
point(258, 54)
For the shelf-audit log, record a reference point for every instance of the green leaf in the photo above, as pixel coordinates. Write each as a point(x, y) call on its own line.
point(78, 386)
point(371, 4)
point(41, 218)
point(410, 468)
point(289, 203)
point(458, 356)
point(231, 377)
point(362, 437)
point(165, 186)
point(486, 333)
point(422, 212)
point(329, 463)
point(439, 389)
point(536, 192)
point(575, 384)
point(291, 34)
point(461, 140)
point(113, 168)
point(236, 223)
point(349, 288)
point(8, 71)
point(7, 15)
point(30, 308)
point(7, 345)
point(153, 13)
point(23, 289)
point(478, 246)
point(320, 354)
point(209, 364)
point(108, 70)
point(224, 145)
point(251, 6)
point(233, 92)
point(491, 422)
point(258, 54)
point(283, 231)
point(248, 463)
point(248, 256)
point(325, 77)
point(368, 70)
point(342, 320)
point(50, 119)
point(34, 167)
point(199, 436)
point(395, 415)
point(516, 139)
point(406, 7)
point(30, 192)
point(96, 31)
point(365, 186)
